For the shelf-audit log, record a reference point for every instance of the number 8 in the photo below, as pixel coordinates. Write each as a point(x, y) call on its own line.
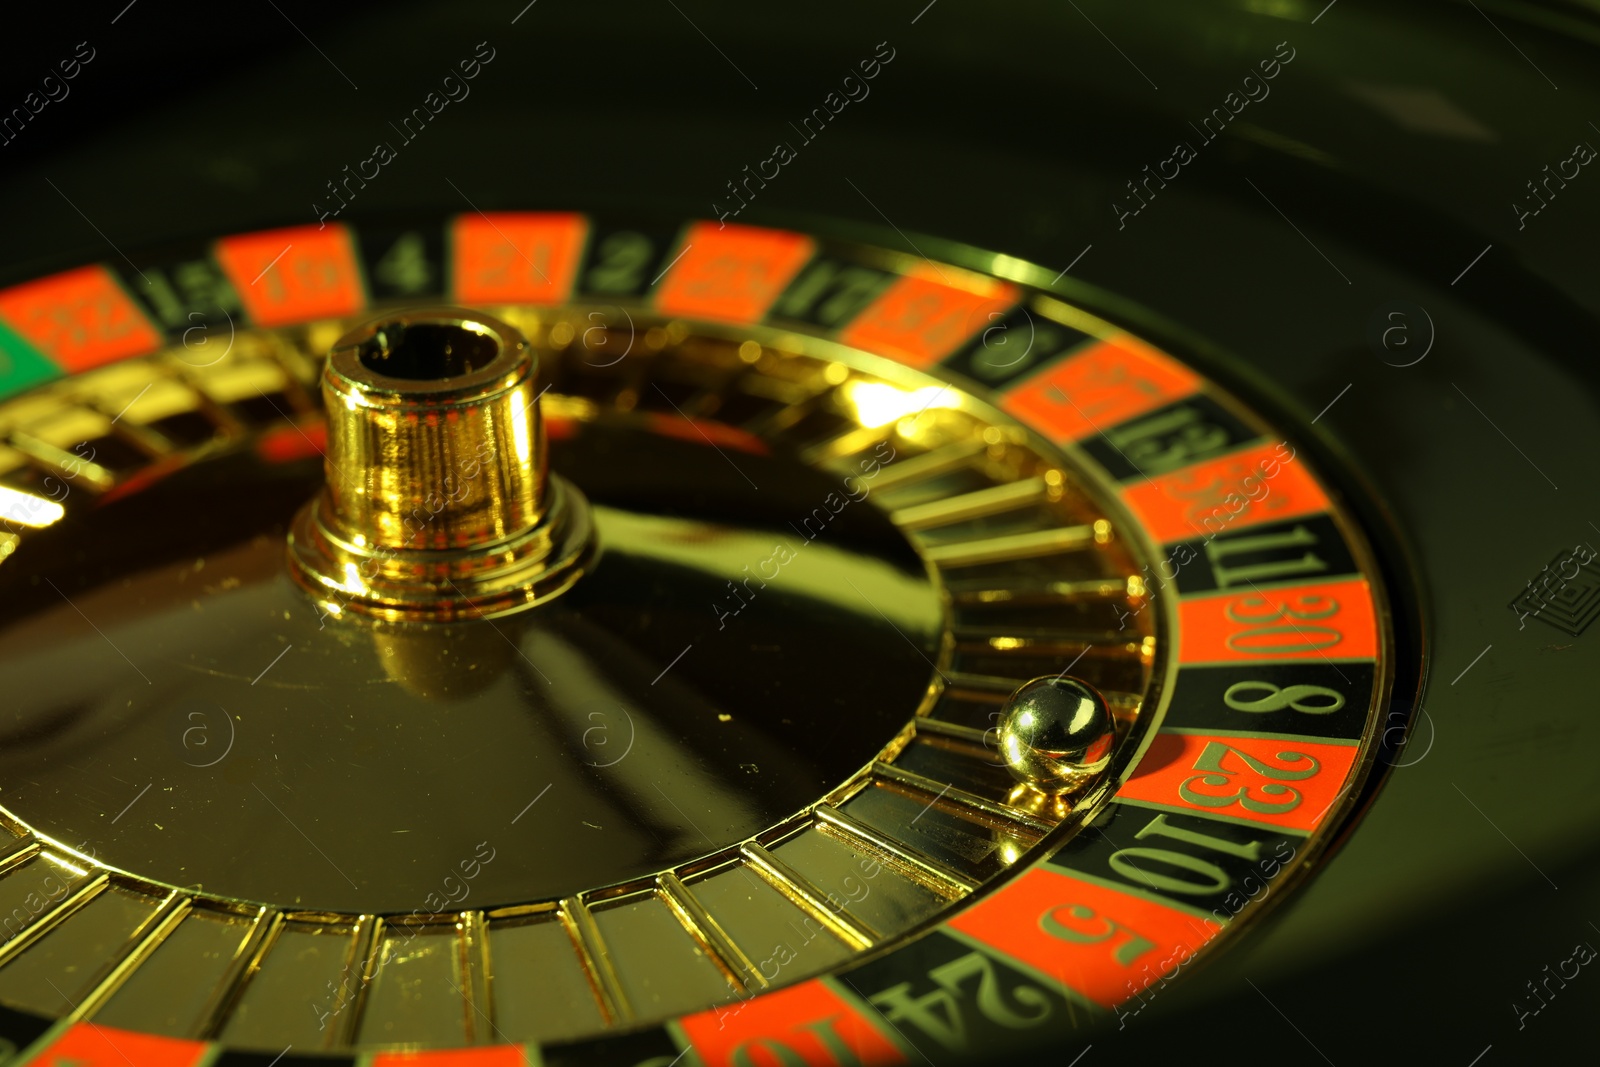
point(1293, 697)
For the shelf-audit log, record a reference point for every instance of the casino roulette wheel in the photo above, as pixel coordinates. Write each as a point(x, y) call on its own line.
point(660, 563)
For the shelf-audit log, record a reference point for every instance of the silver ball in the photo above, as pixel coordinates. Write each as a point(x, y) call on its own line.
point(1056, 733)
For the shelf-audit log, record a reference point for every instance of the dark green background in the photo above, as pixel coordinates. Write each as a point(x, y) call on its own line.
point(1013, 127)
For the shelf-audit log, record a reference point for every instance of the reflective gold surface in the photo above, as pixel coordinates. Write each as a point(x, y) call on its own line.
point(766, 711)
point(438, 502)
point(1056, 734)
point(396, 748)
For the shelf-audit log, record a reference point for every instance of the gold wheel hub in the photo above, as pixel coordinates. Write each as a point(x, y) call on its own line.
point(439, 502)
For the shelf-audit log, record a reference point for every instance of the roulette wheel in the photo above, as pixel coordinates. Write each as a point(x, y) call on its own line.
point(837, 535)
